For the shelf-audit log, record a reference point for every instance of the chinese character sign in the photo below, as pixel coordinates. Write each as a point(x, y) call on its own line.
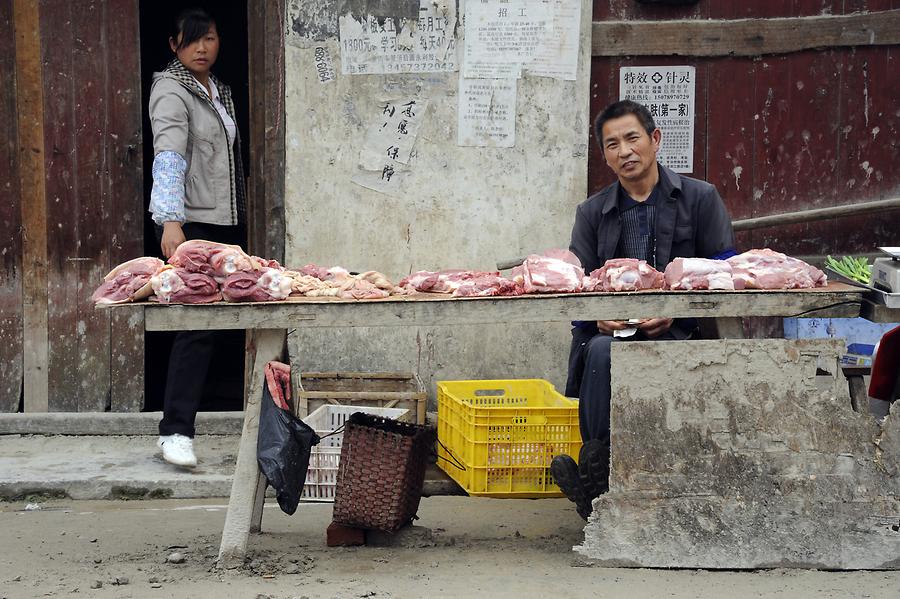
point(487, 112)
point(506, 37)
point(669, 95)
point(379, 45)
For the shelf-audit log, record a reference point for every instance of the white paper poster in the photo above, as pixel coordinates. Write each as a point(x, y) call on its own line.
point(669, 94)
point(389, 143)
point(505, 38)
point(379, 45)
point(487, 112)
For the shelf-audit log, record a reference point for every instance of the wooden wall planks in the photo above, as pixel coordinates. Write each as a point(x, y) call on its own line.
point(126, 204)
point(266, 217)
point(10, 222)
point(62, 202)
point(33, 205)
point(81, 204)
point(785, 132)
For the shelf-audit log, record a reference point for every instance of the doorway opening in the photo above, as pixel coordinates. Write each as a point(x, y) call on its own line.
point(224, 389)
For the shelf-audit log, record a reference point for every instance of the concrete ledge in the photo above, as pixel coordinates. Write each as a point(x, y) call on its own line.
point(129, 467)
point(112, 423)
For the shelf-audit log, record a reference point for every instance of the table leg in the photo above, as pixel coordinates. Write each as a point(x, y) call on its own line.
point(266, 345)
point(859, 395)
point(729, 328)
point(259, 501)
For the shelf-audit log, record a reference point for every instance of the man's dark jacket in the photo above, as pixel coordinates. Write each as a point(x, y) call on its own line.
point(691, 222)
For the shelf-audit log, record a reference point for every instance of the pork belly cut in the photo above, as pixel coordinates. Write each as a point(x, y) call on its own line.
point(302, 284)
point(488, 285)
point(128, 282)
point(625, 274)
point(312, 270)
point(263, 285)
point(382, 282)
point(768, 269)
point(218, 260)
point(699, 273)
point(443, 281)
point(179, 286)
point(544, 274)
point(351, 288)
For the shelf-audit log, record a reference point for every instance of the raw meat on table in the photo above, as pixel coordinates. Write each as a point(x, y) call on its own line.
point(129, 281)
point(263, 285)
point(444, 281)
point(488, 285)
point(625, 274)
point(382, 282)
point(278, 380)
point(351, 288)
point(768, 269)
point(699, 273)
point(303, 284)
point(176, 285)
point(218, 260)
point(543, 274)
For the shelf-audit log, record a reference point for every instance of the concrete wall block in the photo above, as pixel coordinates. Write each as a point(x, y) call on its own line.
point(458, 207)
point(736, 454)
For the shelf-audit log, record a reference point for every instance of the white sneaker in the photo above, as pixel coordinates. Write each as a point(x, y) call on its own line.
point(178, 449)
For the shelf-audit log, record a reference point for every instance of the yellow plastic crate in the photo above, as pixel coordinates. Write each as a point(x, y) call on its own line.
point(505, 432)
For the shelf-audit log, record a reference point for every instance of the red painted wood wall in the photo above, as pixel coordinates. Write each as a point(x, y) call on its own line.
point(783, 133)
point(91, 125)
point(10, 222)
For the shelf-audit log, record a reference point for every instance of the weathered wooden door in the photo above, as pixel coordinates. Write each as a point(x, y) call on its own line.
point(78, 134)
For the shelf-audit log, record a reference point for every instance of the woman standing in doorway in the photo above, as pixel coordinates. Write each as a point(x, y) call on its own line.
point(198, 193)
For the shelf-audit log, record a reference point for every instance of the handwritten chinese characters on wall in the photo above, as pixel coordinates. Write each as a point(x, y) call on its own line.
point(669, 95)
point(388, 147)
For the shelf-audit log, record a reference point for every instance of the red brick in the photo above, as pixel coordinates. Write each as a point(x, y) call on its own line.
point(345, 536)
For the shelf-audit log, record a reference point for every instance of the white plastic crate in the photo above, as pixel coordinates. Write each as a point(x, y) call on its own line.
point(324, 457)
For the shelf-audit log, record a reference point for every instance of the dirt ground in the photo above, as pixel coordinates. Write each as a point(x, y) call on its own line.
point(466, 548)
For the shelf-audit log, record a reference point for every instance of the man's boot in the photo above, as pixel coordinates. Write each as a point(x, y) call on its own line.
point(593, 468)
point(566, 475)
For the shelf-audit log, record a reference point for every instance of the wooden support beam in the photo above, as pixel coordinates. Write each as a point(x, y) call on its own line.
point(268, 345)
point(814, 214)
point(30, 102)
point(744, 37)
point(836, 300)
point(265, 214)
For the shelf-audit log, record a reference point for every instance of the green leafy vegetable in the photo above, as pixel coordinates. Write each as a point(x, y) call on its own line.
point(857, 269)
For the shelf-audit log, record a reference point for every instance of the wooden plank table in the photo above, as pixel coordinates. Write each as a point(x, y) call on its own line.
point(269, 322)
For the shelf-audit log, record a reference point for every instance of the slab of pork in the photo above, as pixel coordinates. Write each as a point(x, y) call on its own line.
point(699, 273)
point(543, 274)
point(488, 285)
point(179, 286)
point(444, 281)
point(262, 285)
point(128, 282)
point(351, 288)
point(218, 260)
point(768, 269)
point(625, 274)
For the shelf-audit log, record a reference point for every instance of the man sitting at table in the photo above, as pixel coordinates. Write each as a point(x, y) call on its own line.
point(650, 213)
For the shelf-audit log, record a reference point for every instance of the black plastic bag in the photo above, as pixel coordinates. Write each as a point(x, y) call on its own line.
point(282, 451)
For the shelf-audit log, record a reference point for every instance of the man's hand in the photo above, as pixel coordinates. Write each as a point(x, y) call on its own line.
point(172, 237)
point(608, 326)
point(655, 327)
